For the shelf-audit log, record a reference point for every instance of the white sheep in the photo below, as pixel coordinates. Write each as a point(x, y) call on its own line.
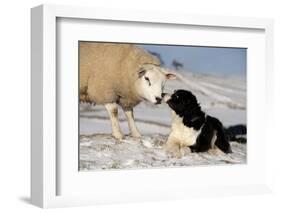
point(122, 74)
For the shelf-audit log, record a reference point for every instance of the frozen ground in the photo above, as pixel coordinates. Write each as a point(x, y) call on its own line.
point(101, 151)
point(224, 98)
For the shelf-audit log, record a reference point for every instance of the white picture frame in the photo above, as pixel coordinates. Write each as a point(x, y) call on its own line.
point(45, 168)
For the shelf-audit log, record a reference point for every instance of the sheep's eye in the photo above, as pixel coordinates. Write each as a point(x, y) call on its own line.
point(147, 79)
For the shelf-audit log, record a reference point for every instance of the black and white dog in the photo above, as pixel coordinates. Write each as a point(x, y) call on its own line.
point(191, 127)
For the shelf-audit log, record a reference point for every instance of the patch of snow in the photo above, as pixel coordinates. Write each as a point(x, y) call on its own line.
point(105, 152)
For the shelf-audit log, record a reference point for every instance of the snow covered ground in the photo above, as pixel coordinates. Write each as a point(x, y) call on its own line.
point(222, 97)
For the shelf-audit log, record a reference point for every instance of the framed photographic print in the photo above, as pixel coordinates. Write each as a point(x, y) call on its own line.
point(129, 106)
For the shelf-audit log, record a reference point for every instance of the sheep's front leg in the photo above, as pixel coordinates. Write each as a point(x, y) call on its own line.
point(131, 122)
point(112, 110)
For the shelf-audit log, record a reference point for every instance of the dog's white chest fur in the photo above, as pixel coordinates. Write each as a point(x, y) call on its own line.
point(181, 134)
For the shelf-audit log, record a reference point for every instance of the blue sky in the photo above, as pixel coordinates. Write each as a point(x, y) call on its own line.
point(206, 60)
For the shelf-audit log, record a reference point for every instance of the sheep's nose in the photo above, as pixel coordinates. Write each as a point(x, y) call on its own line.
point(163, 95)
point(158, 100)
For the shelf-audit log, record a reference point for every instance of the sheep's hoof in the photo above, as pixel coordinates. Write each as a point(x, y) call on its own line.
point(136, 135)
point(118, 135)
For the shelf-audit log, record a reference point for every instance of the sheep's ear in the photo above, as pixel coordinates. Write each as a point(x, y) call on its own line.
point(141, 72)
point(170, 76)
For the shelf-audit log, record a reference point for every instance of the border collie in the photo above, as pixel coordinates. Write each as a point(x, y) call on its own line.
point(191, 127)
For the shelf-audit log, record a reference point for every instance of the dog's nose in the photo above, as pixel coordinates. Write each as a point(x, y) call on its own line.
point(158, 100)
point(166, 97)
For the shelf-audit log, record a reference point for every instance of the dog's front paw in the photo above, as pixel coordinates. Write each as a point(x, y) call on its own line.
point(173, 150)
point(186, 150)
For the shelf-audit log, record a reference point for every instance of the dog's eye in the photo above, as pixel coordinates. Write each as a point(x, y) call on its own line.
point(176, 98)
point(147, 79)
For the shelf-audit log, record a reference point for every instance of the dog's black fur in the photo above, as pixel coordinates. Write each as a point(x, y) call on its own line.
point(185, 105)
point(236, 133)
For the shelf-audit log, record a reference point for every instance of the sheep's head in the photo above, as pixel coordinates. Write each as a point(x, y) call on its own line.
point(151, 81)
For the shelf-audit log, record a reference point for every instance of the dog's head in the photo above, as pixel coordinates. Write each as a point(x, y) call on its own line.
point(182, 102)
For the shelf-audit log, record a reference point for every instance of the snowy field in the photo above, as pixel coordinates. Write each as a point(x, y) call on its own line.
point(224, 98)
